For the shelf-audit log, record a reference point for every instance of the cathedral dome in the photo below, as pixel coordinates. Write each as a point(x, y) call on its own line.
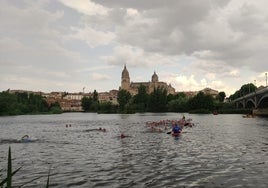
point(154, 77)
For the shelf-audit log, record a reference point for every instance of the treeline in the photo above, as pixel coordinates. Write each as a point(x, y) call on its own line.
point(158, 101)
point(244, 90)
point(24, 103)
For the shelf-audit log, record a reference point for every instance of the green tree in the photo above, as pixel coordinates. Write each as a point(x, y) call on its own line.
point(158, 100)
point(95, 102)
point(201, 101)
point(221, 96)
point(22, 98)
point(107, 107)
point(55, 108)
point(123, 99)
point(244, 90)
point(95, 96)
point(21, 103)
point(178, 105)
point(8, 103)
point(140, 100)
point(86, 103)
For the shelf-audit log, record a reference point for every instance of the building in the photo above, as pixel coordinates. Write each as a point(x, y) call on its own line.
point(110, 96)
point(132, 87)
point(209, 91)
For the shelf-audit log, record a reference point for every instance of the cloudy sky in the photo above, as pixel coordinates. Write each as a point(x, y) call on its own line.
point(68, 45)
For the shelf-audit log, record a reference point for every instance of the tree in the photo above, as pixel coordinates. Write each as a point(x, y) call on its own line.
point(8, 103)
point(95, 102)
point(55, 108)
point(201, 101)
point(95, 96)
point(178, 105)
point(22, 103)
point(107, 107)
point(86, 102)
point(140, 100)
point(244, 90)
point(158, 100)
point(123, 99)
point(221, 96)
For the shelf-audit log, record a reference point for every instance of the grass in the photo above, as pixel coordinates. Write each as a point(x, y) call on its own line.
point(8, 180)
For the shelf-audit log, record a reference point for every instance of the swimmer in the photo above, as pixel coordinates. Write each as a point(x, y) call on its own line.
point(25, 138)
point(123, 135)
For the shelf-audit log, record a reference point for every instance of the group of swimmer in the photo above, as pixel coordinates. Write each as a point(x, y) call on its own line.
point(175, 125)
point(68, 125)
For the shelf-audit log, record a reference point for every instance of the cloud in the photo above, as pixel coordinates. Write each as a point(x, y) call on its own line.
point(92, 37)
point(191, 44)
point(136, 57)
point(86, 7)
point(96, 68)
point(233, 32)
point(100, 77)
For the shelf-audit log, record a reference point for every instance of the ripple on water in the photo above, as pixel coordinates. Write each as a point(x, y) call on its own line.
point(217, 152)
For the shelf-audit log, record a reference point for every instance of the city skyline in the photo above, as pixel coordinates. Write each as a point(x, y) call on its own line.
point(83, 45)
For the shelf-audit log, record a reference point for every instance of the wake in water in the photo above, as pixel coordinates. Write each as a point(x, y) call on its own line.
point(11, 141)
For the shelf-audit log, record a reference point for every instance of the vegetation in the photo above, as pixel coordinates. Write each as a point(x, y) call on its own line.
point(160, 101)
point(91, 104)
point(156, 101)
point(123, 99)
point(140, 101)
point(8, 180)
point(244, 90)
point(24, 103)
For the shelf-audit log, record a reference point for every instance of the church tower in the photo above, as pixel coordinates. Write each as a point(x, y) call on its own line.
point(125, 80)
point(154, 78)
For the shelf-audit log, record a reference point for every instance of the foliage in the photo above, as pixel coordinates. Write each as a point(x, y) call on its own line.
point(55, 108)
point(140, 100)
point(8, 179)
point(95, 96)
point(23, 103)
point(86, 102)
point(107, 108)
point(201, 101)
point(244, 90)
point(158, 100)
point(178, 105)
point(90, 104)
point(221, 96)
point(123, 99)
point(176, 96)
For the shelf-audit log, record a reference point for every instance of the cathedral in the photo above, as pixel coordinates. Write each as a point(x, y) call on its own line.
point(132, 87)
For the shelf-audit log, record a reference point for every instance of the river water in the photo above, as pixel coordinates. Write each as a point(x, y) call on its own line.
point(219, 151)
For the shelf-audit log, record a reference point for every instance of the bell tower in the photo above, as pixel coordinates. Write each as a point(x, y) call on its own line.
point(125, 80)
point(154, 78)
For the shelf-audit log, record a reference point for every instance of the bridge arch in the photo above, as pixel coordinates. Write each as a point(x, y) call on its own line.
point(240, 104)
point(250, 104)
point(263, 102)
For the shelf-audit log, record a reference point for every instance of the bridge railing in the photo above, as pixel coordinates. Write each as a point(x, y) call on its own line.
point(257, 92)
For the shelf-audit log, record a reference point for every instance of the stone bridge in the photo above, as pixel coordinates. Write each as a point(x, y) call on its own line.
point(257, 101)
